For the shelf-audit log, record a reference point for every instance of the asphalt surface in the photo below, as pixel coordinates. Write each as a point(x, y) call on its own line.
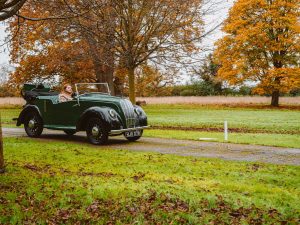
point(226, 151)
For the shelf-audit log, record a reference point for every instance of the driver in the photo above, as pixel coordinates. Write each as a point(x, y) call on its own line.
point(66, 93)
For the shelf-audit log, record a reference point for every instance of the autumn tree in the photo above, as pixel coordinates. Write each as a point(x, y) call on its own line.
point(262, 45)
point(69, 48)
point(9, 8)
point(125, 34)
point(160, 31)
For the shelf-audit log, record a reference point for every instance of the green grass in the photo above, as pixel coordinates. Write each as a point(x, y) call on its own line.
point(279, 140)
point(270, 127)
point(65, 182)
point(195, 116)
point(7, 114)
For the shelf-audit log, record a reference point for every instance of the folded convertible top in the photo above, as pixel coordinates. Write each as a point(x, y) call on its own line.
point(31, 91)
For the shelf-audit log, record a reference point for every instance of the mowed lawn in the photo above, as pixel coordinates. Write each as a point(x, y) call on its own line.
point(259, 126)
point(197, 116)
point(249, 119)
point(272, 127)
point(64, 183)
point(7, 115)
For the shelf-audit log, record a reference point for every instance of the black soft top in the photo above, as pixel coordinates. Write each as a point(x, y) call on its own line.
point(31, 91)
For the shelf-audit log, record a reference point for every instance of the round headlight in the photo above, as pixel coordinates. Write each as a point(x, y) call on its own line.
point(112, 113)
point(138, 111)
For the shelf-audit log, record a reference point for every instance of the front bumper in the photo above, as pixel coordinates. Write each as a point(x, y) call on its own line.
point(128, 129)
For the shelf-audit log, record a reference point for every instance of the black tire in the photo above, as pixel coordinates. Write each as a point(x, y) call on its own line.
point(93, 126)
point(33, 124)
point(134, 138)
point(70, 132)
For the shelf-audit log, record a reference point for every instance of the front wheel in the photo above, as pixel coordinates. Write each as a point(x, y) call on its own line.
point(33, 124)
point(96, 132)
point(133, 135)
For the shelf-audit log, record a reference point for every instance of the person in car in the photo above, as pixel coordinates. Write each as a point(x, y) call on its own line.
point(66, 93)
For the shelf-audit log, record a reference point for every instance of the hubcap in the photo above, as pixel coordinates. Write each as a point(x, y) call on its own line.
point(95, 131)
point(31, 124)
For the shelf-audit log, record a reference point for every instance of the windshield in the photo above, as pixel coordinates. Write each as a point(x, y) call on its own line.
point(87, 88)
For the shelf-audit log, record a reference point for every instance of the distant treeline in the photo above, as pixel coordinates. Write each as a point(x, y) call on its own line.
point(203, 89)
point(199, 88)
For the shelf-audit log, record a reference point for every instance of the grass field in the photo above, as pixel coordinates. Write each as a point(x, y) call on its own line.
point(279, 140)
point(63, 183)
point(274, 127)
point(7, 114)
point(243, 119)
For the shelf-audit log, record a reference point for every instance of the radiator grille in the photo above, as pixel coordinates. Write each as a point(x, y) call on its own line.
point(129, 113)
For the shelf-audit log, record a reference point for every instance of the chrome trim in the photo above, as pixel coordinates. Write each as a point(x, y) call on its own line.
point(129, 129)
point(106, 84)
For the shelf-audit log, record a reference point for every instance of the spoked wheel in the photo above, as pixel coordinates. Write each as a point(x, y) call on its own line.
point(96, 132)
point(70, 132)
point(133, 135)
point(33, 124)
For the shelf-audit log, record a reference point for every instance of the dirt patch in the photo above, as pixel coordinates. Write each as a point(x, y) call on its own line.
point(219, 129)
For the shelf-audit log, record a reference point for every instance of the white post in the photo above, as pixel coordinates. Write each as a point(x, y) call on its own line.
point(225, 131)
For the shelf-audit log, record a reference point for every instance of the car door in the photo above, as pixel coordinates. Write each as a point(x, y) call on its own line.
point(66, 113)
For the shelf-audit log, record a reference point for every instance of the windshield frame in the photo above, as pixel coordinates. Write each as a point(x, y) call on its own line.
point(105, 93)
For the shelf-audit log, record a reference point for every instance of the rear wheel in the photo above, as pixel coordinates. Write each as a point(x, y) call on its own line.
point(131, 136)
point(96, 132)
point(70, 132)
point(33, 124)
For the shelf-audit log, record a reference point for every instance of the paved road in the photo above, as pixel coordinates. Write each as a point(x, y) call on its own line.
point(253, 153)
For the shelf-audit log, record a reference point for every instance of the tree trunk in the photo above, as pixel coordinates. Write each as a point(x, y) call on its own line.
point(2, 168)
point(275, 98)
point(131, 85)
point(104, 70)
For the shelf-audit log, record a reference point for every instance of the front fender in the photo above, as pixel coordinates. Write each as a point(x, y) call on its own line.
point(26, 109)
point(103, 113)
point(142, 118)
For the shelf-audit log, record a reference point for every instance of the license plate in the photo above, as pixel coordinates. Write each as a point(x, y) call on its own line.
point(134, 133)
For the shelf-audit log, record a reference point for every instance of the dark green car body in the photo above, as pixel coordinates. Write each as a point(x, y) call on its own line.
point(118, 116)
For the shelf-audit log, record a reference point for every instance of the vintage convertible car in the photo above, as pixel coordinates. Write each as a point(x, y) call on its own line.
point(92, 109)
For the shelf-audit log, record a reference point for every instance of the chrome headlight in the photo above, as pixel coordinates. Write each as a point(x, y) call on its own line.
point(112, 113)
point(138, 111)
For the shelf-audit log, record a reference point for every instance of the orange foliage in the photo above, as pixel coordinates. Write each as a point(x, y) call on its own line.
point(262, 44)
point(48, 51)
point(110, 34)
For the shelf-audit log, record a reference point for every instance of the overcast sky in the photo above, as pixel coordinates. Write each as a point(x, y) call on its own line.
point(211, 20)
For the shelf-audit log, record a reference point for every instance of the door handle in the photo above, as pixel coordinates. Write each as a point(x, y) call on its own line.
point(75, 105)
